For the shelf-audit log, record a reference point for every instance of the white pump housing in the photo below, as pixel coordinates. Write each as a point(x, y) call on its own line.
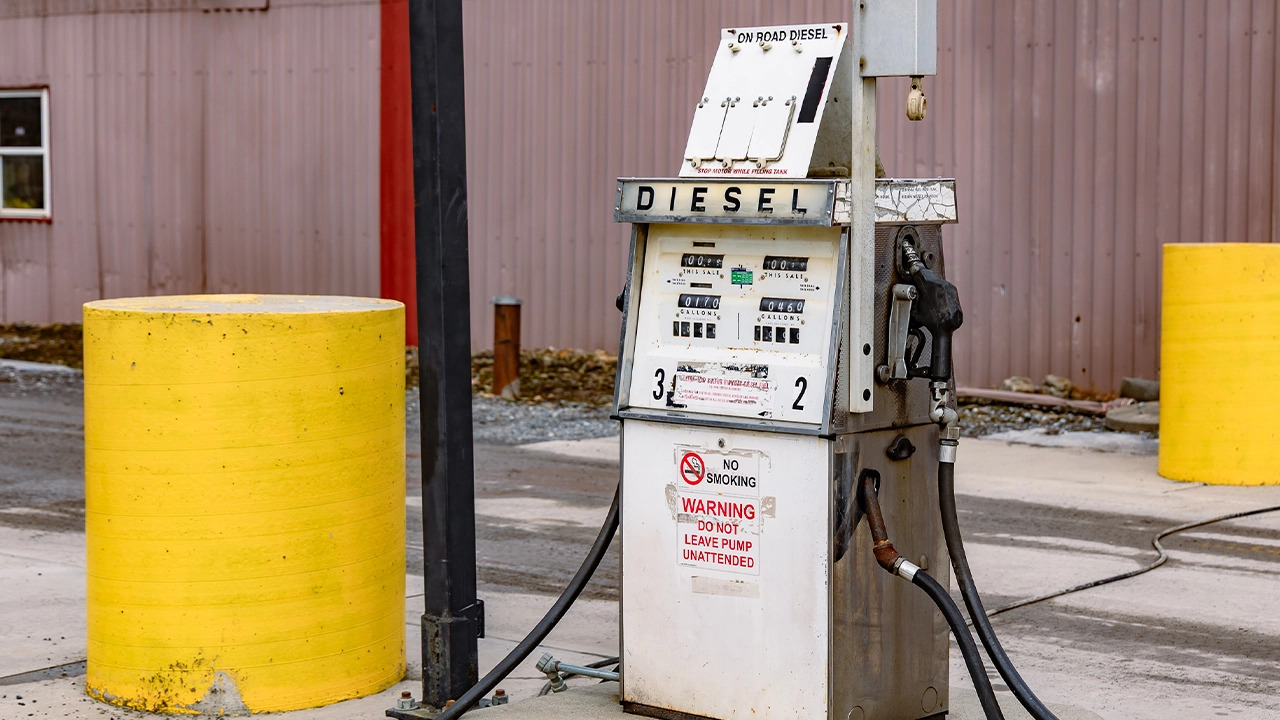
point(748, 400)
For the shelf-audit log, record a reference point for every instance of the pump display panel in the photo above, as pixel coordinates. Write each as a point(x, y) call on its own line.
point(737, 321)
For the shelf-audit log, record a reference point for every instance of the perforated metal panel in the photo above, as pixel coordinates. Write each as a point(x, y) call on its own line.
point(899, 402)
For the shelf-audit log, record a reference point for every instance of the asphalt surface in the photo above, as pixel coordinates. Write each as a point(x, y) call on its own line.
point(1241, 661)
point(41, 451)
point(535, 512)
point(1199, 638)
point(536, 516)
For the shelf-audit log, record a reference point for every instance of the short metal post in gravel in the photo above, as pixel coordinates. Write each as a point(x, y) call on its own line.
point(506, 347)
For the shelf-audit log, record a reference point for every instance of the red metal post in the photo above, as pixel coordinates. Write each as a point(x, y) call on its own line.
point(395, 202)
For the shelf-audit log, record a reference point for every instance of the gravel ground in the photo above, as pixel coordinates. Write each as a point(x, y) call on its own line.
point(24, 379)
point(979, 419)
point(501, 422)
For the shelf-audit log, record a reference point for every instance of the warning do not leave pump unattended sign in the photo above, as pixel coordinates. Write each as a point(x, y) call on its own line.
point(718, 521)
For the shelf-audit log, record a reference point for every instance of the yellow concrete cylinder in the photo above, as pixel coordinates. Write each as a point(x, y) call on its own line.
point(1220, 363)
point(244, 492)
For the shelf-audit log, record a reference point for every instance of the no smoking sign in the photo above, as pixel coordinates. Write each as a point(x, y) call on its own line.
point(692, 468)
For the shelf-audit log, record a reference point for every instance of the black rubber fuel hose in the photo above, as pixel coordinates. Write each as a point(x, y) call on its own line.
point(548, 622)
point(889, 559)
point(973, 601)
point(1161, 556)
point(968, 648)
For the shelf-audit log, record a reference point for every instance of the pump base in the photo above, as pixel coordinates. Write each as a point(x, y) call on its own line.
point(664, 714)
point(632, 708)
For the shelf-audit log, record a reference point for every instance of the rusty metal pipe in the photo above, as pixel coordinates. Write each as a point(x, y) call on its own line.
point(506, 347)
point(884, 551)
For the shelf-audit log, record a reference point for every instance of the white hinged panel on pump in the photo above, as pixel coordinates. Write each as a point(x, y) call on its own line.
point(761, 111)
point(735, 136)
point(725, 566)
point(773, 123)
point(708, 120)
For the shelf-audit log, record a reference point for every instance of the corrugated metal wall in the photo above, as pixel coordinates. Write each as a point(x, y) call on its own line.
point(1083, 133)
point(238, 151)
point(563, 97)
point(196, 151)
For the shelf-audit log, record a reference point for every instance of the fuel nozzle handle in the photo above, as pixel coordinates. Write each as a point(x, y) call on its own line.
point(937, 309)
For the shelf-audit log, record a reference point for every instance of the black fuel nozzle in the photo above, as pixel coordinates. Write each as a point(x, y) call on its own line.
point(936, 309)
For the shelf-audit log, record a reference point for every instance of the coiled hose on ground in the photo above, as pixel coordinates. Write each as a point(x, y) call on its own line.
point(978, 613)
point(548, 622)
point(1161, 557)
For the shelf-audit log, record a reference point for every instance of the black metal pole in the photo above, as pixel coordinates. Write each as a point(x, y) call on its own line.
point(454, 617)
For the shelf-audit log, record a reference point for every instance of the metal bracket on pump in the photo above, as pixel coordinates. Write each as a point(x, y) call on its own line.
point(899, 332)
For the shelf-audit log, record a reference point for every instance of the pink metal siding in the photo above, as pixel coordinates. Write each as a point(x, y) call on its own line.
point(563, 97)
point(1083, 133)
point(196, 151)
point(238, 151)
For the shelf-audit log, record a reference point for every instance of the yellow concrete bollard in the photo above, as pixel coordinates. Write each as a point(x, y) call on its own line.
point(244, 492)
point(1220, 363)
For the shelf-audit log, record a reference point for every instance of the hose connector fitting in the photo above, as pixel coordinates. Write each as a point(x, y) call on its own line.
point(905, 569)
point(947, 451)
point(940, 410)
point(887, 556)
point(551, 667)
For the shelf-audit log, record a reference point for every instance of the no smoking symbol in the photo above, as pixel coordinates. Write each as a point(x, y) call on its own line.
point(692, 468)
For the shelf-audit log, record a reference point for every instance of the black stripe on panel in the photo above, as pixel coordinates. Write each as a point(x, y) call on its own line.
point(813, 93)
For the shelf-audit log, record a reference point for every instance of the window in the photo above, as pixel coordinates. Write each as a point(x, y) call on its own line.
point(24, 154)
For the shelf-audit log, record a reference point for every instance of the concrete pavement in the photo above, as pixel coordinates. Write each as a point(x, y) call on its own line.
point(600, 700)
point(1198, 638)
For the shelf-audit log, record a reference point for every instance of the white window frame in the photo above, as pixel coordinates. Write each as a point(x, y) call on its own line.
point(46, 212)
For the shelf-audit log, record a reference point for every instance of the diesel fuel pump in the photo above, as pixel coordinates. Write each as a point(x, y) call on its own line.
point(786, 401)
point(780, 300)
point(781, 303)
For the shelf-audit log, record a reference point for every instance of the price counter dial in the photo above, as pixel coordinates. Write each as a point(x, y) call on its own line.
point(793, 306)
point(702, 260)
point(786, 264)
